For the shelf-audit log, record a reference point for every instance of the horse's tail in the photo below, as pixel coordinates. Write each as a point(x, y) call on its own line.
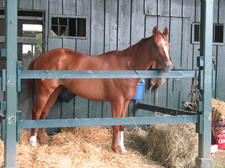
point(31, 82)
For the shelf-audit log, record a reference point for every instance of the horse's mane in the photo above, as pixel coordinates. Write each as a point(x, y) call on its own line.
point(138, 44)
point(142, 41)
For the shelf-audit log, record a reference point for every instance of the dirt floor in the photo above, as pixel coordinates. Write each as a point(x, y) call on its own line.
point(219, 159)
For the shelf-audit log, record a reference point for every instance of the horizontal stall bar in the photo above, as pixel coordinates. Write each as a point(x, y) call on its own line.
point(63, 74)
point(57, 123)
point(163, 110)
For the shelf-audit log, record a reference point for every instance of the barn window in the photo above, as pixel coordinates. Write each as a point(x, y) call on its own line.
point(74, 27)
point(196, 32)
point(217, 33)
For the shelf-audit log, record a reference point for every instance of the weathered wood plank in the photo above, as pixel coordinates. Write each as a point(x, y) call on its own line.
point(150, 23)
point(189, 9)
point(196, 51)
point(111, 25)
point(95, 109)
point(162, 23)
point(55, 7)
point(69, 43)
point(220, 79)
point(198, 11)
point(151, 7)
point(175, 40)
point(215, 11)
point(40, 4)
point(97, 27)
point(84, 9)
point(163, 7)
point(81, 107)
point(221, 11)
point(176, 8)
point(124, 24)
point(67, 109)
point(2, 5)
point(173, 94)
point(186, 46)
point(107, 109)
point(69, 7)
point(25, 4)
point(137, 22)
point(131, 109)
point(189, 14)
point(54, 43)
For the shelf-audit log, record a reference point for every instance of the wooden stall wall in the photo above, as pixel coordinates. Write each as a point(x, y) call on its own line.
point(117, 24)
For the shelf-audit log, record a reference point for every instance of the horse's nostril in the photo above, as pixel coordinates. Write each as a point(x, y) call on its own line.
point(165, 65)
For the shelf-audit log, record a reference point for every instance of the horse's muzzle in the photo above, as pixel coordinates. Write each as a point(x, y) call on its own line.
point(167, 65)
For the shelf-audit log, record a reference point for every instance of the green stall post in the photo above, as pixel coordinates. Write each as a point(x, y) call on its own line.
point(10, 157)
point(204, 154)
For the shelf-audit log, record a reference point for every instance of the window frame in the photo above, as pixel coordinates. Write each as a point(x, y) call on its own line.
point(68, 17)
point(198, 42)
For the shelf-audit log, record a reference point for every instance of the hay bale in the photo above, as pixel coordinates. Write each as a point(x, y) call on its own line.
point(218, 109)
point(76, 147)
point(173, 145)
point(136, 139)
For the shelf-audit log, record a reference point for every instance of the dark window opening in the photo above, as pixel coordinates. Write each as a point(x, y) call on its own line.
point(75, 27)
point(196, 32)
point(217, 33)
point(30, 13)
point(25, 13)
point(2, 12)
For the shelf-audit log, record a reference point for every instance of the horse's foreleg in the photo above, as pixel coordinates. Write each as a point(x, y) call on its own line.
point(119, 109)
point(116, 108)
point(51, 101)
point(121, 131)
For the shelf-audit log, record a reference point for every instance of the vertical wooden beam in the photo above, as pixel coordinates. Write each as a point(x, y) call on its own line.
point(204, 157)
point(11, 80)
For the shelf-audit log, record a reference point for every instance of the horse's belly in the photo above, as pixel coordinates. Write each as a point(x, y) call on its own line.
point(93, 89)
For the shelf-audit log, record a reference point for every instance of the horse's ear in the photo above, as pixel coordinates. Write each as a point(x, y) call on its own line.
point(154, 31)
point(166, 31)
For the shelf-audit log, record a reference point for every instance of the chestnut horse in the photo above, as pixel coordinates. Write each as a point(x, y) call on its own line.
point(119, 92)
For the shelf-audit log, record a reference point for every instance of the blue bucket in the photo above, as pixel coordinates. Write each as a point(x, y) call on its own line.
point(140, 89)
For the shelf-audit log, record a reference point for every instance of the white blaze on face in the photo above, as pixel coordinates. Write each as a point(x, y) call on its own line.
point(165, 48)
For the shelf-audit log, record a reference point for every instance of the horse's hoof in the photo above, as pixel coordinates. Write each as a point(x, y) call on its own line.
point(124, 152)
point(116, 151)
point(33, 141)
point(43, 141)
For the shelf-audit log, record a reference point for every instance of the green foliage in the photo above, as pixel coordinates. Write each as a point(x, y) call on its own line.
point(39, 46)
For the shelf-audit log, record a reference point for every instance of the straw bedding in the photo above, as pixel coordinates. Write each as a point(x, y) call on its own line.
point(77, 147)
point(172, 145)
point(218, 109)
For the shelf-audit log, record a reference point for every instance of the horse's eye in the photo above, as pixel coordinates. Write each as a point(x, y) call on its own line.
point(156, 45)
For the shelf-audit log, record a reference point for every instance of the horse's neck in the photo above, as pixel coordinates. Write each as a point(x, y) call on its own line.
point(137, 56)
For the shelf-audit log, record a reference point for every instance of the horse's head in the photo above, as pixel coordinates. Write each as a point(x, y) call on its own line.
point(160, 49)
